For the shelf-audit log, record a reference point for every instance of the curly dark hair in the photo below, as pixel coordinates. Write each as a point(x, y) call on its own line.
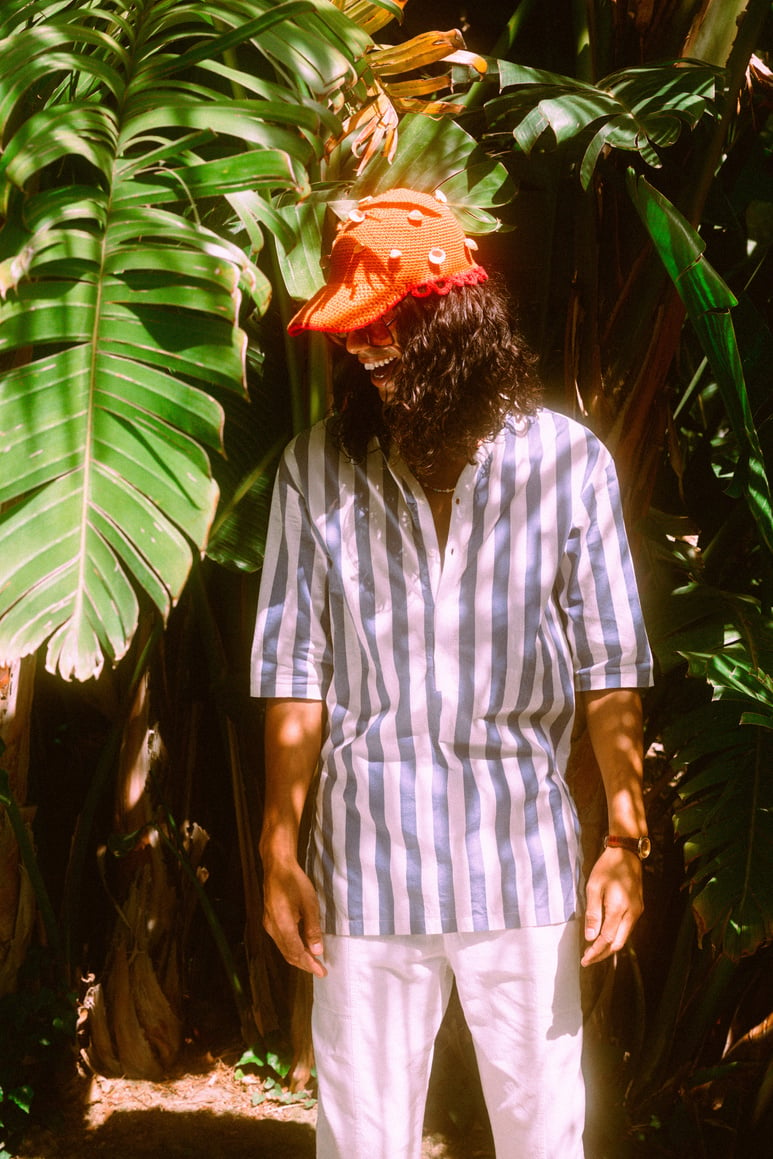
point(464, 368)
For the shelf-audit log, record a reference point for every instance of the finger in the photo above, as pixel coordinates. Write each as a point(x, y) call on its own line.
point(311, 965)
point(314, 944)
point(610, 940)
point(293, 948)
point(598, 951)
point(291, 916)
point(311, 929)
point(594, 911)
point(592, 925)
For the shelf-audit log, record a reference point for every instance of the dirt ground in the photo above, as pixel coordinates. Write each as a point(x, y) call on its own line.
point(202, 1112)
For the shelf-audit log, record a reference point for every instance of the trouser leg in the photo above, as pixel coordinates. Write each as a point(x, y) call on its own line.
point(520, 993)
point(374, 1021)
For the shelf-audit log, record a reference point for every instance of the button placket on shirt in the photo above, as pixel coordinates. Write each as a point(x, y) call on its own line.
point(461, 515)
point(446, 611)
point(444, 573)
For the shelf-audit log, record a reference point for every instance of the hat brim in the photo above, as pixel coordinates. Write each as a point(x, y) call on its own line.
point(339, 309)
point(343, 308)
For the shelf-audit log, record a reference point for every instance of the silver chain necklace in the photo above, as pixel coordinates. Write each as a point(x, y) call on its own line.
point(439, 490)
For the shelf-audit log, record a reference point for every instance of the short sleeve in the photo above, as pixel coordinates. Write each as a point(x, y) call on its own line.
point(599, 595)
point(290, 651)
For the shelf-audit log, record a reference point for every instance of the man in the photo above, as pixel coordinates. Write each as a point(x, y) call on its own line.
point(446, 574)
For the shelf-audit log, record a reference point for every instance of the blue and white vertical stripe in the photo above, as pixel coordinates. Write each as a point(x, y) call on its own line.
point(449, 679)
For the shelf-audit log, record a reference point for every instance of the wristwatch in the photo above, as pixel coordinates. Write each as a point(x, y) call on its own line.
point(641, 846)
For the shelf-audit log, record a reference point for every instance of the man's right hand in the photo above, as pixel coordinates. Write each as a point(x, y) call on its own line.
point(291, 915)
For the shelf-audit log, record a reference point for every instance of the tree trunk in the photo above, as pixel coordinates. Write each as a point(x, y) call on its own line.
point(17, 900)
point(135, 1011)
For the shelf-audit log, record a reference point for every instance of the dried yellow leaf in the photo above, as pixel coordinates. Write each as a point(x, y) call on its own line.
point(369, 17)
point(417, 88)
point(428, 108)
point(419, 51)
point(470, 59)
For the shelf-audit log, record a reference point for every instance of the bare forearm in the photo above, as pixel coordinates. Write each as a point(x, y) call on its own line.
point(614, 889)
point(293, 738)
point(614, 722)
point(291, 909)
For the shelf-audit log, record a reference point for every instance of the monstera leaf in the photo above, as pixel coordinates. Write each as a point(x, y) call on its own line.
point(123, 123)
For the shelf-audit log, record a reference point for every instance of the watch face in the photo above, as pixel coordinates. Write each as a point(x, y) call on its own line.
point(645, 847)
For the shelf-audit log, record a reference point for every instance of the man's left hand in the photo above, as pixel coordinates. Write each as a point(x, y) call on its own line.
point(614, 903)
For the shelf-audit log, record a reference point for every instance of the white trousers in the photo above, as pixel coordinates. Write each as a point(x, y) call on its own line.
point(376, 1014)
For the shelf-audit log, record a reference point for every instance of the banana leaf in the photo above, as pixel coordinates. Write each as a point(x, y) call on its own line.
point(120, 326)
point(708, 301)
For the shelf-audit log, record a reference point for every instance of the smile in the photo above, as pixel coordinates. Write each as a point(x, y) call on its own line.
point(374, 364)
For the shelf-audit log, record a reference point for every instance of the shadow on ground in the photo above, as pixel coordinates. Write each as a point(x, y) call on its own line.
point(162, 1134)
point(159, 1134)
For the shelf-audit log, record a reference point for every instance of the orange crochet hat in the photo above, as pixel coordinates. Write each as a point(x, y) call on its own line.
point(397, 243)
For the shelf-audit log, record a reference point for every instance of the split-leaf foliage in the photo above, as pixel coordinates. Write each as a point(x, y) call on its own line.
point(166, 174)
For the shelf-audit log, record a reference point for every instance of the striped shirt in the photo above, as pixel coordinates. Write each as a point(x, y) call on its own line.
point(449, 679)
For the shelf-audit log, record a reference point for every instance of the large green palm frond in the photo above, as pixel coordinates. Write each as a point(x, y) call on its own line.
point(640, 110)
point(709, 301)
point(121, 122)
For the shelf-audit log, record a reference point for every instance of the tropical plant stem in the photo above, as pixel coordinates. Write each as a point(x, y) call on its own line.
point(661, 1036)
point(477, 91)
point(73, 884)
point(511, 30)
point(583, 69)
point(30, 862)
point(246, 1021)
point(298, 406)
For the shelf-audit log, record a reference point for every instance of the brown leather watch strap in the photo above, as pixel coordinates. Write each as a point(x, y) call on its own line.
point(641, 846)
